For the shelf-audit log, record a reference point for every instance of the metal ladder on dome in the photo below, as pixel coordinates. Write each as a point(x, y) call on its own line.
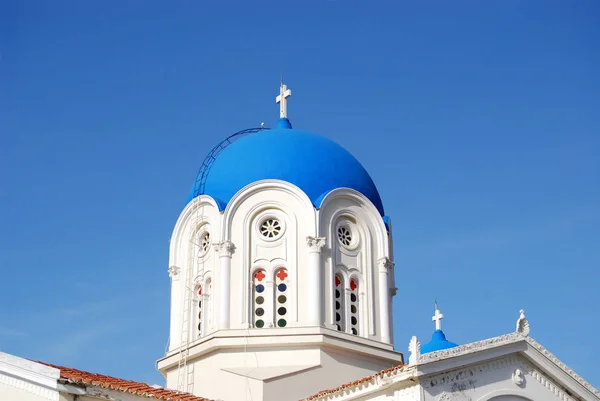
point(185, 372)
point(212, 156)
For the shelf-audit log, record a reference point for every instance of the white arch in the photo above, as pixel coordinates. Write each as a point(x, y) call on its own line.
point(258, 186)
point(371, 215)
point(506, 395)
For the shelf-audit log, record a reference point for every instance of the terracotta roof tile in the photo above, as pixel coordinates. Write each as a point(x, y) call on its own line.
point(355, 383)
point(126, 386)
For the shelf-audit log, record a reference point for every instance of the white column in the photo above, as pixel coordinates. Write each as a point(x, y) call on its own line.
point(176, 307)
point(315, 272)
point(225, 250)
point(385, 265)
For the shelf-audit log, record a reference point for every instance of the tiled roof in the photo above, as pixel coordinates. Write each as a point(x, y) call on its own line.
point(127, 386)
point(356, 383)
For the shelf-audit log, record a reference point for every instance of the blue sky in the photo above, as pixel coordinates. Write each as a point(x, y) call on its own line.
point(477, 120)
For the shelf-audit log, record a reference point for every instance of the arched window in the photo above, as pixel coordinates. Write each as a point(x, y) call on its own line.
point(281, 297)
point(203, 306)
point(199, 301)
point(340, 312)
point(258, 298)
point(354, 321)
point(208, 306)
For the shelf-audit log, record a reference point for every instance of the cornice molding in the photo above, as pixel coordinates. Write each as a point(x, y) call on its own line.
point(33, 388)
point(471, 348)
point(541, 349)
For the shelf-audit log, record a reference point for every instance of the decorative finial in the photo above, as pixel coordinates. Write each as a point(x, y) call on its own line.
point(262, 124)
point(284, 93)
point(414, 347)
point(437, 317)
point(522, 324)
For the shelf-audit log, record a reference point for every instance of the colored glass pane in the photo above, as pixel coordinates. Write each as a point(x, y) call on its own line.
point(281, 299)
point(260, 288)
point(260, 311)
point(260, 324)
point(282, 287)
point(282, 274)
point(281, 323)
point(260, 300)
point(281, 311)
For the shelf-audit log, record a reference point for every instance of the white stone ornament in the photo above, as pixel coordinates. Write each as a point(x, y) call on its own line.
point(518, 377)
point(174, 271)
point(315, 243)
point(414, 347)
point(225, 248)
point(522, 324)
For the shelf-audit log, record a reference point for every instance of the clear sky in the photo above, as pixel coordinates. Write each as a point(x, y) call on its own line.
point(478, 120)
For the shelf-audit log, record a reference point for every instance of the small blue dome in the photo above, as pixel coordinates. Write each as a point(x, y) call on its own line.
point(438, 342)
point(313, 163)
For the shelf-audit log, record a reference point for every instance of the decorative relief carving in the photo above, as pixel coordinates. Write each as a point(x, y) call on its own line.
point(174, 271)
point(315, 243)
point(385, 264)
point(414, 347)
point(463, 379)
point(522, 324)
point(518, 377)
point(225, 248)
point(393, 291)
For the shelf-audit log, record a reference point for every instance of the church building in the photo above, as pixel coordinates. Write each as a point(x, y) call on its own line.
point(282, 279)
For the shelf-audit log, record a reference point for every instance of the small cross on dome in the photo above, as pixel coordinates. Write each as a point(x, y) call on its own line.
point(284, 93)
point(437, 318)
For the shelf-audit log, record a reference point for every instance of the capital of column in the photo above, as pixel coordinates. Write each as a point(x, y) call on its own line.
point(385, 264)
point(174, 271)
point(315, 243)
point(225, 248)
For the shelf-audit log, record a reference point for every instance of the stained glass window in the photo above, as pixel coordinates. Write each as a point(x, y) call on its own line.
point(281, 298)
point(258, 295)
point(338, 298)
point(354, 327)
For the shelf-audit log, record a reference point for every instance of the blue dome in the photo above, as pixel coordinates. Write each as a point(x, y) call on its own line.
point(313, 163)
point(438, 342)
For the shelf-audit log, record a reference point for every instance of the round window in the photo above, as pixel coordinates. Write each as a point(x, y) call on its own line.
point(205, 242)
point(270, 228)
point(344, 235)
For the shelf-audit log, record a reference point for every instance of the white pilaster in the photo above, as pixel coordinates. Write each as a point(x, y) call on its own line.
point(225, 250)
point(385, 266)
point(269, 316)
point(176, 306)
point(315, 271)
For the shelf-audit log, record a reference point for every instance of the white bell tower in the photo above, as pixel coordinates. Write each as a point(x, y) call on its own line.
point(275, 294)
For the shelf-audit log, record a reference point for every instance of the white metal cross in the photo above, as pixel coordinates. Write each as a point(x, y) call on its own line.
point(284, 93)
point(437, 318)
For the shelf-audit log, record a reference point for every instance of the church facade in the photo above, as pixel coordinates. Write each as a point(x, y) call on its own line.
point(282, 279)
